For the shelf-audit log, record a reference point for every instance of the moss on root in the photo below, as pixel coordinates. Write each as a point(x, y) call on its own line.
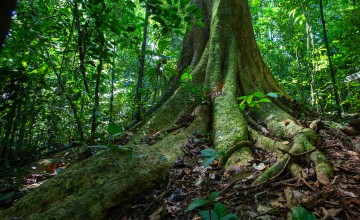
point(274, 170)
point(89, 188)
point(303, 140)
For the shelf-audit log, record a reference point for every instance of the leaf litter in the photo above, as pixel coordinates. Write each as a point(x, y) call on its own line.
point(189, 180)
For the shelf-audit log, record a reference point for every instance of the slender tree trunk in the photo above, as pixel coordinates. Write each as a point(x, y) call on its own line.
point(30, 132)
point(139, 87)
point(73, 107)
point(81, 44)
point(16, 125)
point(99, 69)
point(111, 104)
point(5, 149)
point(332, 72)
point(310, 48)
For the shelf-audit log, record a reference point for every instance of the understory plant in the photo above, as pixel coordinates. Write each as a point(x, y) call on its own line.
point(216, 211)
point(254, 100)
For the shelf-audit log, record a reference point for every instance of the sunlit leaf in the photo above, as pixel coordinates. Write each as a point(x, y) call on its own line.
point(186, 76)
point(265, 100)
point(259, 94)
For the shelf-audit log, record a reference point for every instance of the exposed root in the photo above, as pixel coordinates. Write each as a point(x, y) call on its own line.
point(303, 139)
point(274, 171)
point(268, 144)
point(233, 149)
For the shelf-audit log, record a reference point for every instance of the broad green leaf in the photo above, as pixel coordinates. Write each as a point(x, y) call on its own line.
point(47, 24)
point(163, 44)
point(249, 99)
point(159, 19)
point(230, 217)
point(214, 195)
point(220, 210)
point(259, 94)
point(186, 76)
point(300, 213)
point(198, 14)
point(242, 97)
point(191, 8)
point(209, 215)
point(209, 161)
point(265, 100)
point(201, 24)
point(209, 152)
point(183, 3)
point(100, 136)
point(242, 106)
point(65, 11)
point(187, 19)
point(113, 128)
point(197, 203)
point(252, 104)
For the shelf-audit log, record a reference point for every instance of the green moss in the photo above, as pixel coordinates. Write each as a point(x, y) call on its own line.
point(240, 157)
point(296, 170)
point(267, 143)
point(272, 171)
point(324, 171)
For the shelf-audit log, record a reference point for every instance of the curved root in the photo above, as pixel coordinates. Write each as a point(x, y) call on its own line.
point(303, 139)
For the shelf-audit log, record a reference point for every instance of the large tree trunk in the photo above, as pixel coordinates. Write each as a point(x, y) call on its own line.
point(224, 55)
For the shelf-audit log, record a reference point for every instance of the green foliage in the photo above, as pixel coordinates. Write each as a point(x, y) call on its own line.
point(210, 155)
point(218, 212)
point(292, 45)
point(186, 76)
point(65, 54)
point(300, 213)
point(114, 131)
point(254, 100)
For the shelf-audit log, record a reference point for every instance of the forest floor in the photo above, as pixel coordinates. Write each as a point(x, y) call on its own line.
point(190, 180)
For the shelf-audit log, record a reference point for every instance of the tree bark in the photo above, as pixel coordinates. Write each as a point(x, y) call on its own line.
point(99, 69)
point(224, 56)
point(332, 72)
point(139, 87)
